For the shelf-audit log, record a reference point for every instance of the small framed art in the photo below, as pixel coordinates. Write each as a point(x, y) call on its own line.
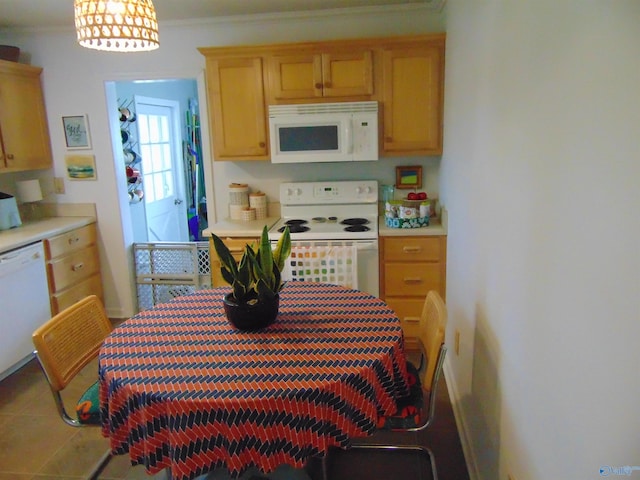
point(81, 167)
point(409, 177)
point(76, 132)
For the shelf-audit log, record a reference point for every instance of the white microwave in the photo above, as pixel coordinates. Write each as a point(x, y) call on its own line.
point(324, 132)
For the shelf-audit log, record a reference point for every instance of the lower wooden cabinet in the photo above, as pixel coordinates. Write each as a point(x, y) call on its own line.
point(236, 246)
point(409, 267)
point(73, 267)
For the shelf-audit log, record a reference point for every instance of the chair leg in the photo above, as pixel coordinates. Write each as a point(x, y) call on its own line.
point(324, 466)
point(99, 467)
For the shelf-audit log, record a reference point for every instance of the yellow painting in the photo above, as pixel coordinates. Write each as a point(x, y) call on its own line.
point(81, 167)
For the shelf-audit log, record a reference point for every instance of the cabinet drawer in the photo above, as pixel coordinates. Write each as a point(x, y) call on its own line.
point(411, 280)
point(69, 296)
point(409, 249)
point(236, 246)
point(408, 311)
point(70, 269)
point(70, 241)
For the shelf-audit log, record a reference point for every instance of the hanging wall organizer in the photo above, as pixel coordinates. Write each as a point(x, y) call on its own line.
point(132, 158)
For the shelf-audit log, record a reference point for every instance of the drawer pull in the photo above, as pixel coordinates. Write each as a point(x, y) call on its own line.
point(77, 266)
point(411, 249)
point(412, 280)
point(74, 240)
point(412, 319)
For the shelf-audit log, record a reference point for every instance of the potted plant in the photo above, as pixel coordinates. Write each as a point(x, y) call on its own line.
point(255, 280)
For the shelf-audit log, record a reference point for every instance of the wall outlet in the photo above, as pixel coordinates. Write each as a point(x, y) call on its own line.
point(58, 184)
point(456, 346)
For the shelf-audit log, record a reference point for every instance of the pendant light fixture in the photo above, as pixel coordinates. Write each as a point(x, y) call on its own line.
point(117, 25)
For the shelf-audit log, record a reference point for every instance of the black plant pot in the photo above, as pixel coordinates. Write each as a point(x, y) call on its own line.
point(251, 316)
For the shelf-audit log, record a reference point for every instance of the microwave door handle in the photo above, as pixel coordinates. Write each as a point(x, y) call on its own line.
point(348, 133)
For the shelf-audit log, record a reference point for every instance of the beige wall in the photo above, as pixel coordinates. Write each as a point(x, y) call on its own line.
point(540, 174)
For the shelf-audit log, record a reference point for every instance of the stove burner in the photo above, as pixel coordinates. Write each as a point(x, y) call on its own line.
point(356, 228)
point(295, 221)
point(295, 228)
point(355, 221)
point(332, 219)
point(319, 219)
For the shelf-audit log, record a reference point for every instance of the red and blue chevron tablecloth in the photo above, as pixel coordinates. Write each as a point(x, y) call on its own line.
point(181, 388)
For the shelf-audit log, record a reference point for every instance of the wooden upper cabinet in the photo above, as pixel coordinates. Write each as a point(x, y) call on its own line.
point(316, 75)
point(236, 104)
point(405, 75)
point(413, 87)
point(24, 130)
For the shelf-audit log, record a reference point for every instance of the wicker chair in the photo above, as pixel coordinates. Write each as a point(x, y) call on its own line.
point(416, 411)
point(64, 346)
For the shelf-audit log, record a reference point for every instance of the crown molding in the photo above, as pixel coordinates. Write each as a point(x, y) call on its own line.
point(431, 6)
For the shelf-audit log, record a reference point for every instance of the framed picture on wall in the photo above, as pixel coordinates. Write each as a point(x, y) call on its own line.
point(81, 167)
point(76, 132)
point(409, 177)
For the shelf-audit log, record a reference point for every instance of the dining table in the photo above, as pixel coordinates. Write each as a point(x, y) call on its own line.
point(182, 389)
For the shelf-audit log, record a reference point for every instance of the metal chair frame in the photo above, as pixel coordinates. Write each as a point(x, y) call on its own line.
point(433, 303)
point(67, 343)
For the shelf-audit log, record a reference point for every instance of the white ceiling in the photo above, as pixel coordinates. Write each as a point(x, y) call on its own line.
point(59, 13)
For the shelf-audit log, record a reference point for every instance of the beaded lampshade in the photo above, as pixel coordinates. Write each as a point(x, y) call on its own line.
point(117, 25)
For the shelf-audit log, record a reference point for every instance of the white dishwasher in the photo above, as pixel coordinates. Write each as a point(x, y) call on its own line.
point(24, 304)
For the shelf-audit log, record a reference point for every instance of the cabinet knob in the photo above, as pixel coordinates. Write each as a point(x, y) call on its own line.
point(9, 156)
point(318, 86)
point(327, 85)
point(388, 139)
point(262, 144)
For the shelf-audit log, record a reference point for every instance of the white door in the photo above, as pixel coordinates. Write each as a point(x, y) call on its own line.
point(162, 173)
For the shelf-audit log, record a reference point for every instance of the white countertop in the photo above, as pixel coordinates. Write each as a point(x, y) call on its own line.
point(238, 228)
point(36, 230)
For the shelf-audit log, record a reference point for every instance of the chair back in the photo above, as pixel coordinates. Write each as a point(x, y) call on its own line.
point(433, 323)
point(70, 340)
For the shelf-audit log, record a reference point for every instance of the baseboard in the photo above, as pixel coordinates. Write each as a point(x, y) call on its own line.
point(461, 424)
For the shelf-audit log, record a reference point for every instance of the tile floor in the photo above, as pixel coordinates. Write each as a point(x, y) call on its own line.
point(36, 445)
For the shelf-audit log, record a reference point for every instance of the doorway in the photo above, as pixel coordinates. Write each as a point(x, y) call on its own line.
point(164, 188)
point(167, 200)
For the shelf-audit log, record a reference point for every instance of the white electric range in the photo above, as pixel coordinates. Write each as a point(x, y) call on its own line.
point(334, 232)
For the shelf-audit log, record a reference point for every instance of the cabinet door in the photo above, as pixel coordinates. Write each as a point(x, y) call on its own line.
point(412, 95)
point(347, 74)
point(24, 130)
point(295, 76)
point(340, 74)
point(236, 103)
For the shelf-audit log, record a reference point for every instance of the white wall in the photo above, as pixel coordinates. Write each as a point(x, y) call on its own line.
point(74, 82)
point(540, 175)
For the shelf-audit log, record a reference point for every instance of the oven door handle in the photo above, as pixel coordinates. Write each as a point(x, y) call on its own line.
point(373, 245)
